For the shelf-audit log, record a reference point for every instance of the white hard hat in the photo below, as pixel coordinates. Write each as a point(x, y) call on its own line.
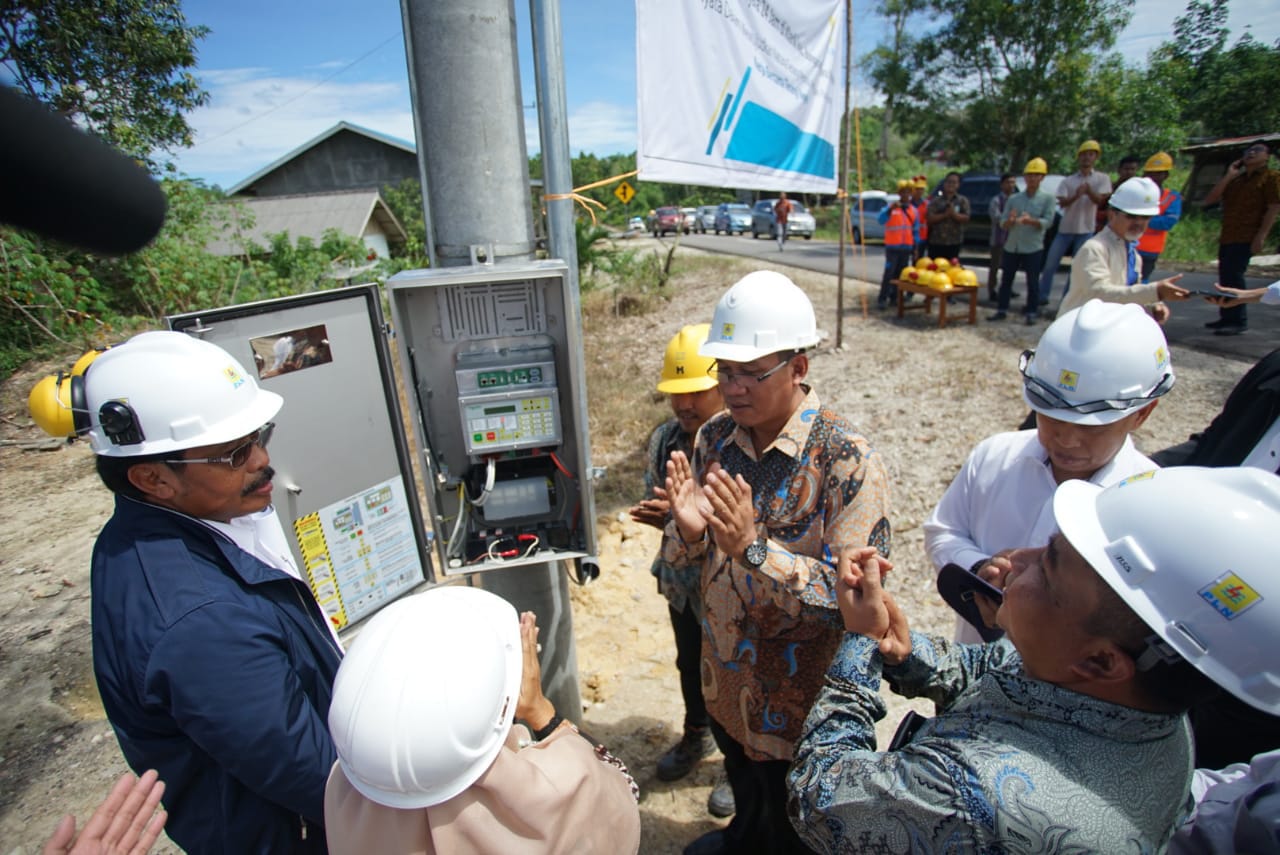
point(764, 312)
point(424, 699)
point(167, 391)
point(1137, 196)
point(1097, 364)
point(1192, 551)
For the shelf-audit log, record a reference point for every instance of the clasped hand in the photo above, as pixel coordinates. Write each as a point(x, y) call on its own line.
point(723, 504)
point(867, 608)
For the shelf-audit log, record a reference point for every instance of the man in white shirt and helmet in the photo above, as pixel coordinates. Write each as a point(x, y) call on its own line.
point(1094, 378)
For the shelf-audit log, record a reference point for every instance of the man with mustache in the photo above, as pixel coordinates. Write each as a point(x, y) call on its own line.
point(214, 663)
point(1107, 266)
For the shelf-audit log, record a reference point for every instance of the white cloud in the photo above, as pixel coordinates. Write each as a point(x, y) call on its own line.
point(254, 117)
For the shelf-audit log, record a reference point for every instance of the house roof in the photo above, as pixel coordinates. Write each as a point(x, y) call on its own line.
point(1231, 142)
point(309, 215)
point(315, 141)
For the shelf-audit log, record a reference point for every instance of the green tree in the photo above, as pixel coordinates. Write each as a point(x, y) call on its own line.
point(1000, 81)
point(1132, 111)
point(119, 68)
point(891, 63)
point(1221, 91)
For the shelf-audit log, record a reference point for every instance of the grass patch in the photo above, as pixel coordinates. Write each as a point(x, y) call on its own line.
point(1194, 238)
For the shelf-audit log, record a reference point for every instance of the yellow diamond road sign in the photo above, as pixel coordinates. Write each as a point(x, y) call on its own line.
point(625, 192)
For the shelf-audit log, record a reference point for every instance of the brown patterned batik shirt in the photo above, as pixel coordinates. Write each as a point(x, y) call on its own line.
point(769, 634)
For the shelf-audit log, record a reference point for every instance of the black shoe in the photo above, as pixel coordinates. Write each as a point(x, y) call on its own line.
point(685, 754)
point(720, 803)
point(711, 843)
point(1029, 320)
point(1233, 329)
point(998, 316)
point(1218, 324)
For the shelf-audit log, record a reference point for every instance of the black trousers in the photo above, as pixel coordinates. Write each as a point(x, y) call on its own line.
point(760, 826)
point(1233, 260)
point(688, 633)
point(1010, 264)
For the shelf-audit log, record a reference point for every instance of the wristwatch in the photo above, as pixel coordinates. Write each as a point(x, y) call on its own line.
point(756, 553)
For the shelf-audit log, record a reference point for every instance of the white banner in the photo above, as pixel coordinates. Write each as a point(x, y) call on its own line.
point(740, 93)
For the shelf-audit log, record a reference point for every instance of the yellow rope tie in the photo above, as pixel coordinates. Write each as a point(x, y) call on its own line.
point(584, 201)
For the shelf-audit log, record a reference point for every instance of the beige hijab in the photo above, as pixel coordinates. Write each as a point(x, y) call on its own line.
point(554, 796)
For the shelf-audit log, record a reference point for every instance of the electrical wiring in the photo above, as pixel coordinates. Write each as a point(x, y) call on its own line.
point(452, 547)
point(490, 477)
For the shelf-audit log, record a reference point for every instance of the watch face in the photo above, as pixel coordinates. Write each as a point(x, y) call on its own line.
point(756, 553)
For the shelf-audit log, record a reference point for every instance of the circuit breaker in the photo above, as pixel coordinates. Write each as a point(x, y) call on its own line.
point(493, 355)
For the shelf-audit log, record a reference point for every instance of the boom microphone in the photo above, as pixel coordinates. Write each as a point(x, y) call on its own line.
point(63, 183)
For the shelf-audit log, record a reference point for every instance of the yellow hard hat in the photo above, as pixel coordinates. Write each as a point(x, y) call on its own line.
point(922, 182)
point(905, 184)
point(683, 370)
point(1158, 162)
point(57, 402)
point(1036, 166)
point(1089, 145)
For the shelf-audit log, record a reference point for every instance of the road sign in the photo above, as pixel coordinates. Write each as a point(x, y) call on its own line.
point(625, 192)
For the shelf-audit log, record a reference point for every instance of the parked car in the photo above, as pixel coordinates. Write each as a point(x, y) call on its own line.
point(733, 218)
point(635, 224)
point(690, 217)
point(980, 189)
point(799, 222)
point(865, 224)
point(705, 219)
point(667, 220)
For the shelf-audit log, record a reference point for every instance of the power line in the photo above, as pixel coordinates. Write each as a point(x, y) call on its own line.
point(301, 94)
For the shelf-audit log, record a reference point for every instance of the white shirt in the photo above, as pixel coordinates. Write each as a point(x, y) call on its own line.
point(1235, 807)
point(1001, 500)
point(1080, 217)
point(261, 535)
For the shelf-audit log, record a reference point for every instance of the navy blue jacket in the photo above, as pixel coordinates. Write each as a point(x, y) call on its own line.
point(217, 670)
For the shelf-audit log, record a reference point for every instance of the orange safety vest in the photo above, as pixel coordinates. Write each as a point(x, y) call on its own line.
point(1152, 240)
point(922, 215)
point(898, 228)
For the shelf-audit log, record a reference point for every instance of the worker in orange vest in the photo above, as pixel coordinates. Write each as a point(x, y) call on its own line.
point(899, 219)
point(920, 198)
point(1151, 244)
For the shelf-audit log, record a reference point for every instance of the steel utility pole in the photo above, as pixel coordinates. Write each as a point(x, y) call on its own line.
point(464, 81)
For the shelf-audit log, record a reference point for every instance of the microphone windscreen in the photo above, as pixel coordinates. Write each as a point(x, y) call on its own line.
point(66, 184)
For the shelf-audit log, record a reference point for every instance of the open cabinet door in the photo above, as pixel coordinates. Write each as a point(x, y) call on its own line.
point(344, 485)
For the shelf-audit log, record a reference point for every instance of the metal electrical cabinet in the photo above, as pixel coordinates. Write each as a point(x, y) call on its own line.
point(493, 354)
point(494, 386)
point(344, 486)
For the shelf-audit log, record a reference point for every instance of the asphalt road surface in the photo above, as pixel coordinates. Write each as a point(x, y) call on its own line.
point(1185, 328)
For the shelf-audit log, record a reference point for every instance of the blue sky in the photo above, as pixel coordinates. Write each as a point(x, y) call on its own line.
point(280, 73)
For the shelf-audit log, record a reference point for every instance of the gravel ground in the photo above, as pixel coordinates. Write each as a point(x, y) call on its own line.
point(923, 396)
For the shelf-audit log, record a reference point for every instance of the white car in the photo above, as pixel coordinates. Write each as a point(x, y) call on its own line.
point(635, 224)
point(799, 221)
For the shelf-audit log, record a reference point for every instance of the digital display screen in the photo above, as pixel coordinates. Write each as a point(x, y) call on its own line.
point(497, 411)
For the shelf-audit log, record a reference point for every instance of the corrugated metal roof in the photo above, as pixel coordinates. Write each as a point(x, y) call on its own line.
point(309, 215)
point(315, 141)
point(1232, 142)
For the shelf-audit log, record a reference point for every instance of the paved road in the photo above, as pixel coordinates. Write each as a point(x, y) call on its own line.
point(1185, 328)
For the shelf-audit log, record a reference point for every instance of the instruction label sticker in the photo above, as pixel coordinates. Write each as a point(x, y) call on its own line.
point(360, 552)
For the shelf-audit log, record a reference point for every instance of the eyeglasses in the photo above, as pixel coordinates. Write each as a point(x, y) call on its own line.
point(239, 455)
point(743, 378)
point(1044, 395)
point(1256, 149)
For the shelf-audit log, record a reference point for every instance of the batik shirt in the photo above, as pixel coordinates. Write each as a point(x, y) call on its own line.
point(1010, 764)
point(769, 634)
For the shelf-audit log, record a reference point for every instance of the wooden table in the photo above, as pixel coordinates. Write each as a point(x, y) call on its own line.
point(930, 294)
